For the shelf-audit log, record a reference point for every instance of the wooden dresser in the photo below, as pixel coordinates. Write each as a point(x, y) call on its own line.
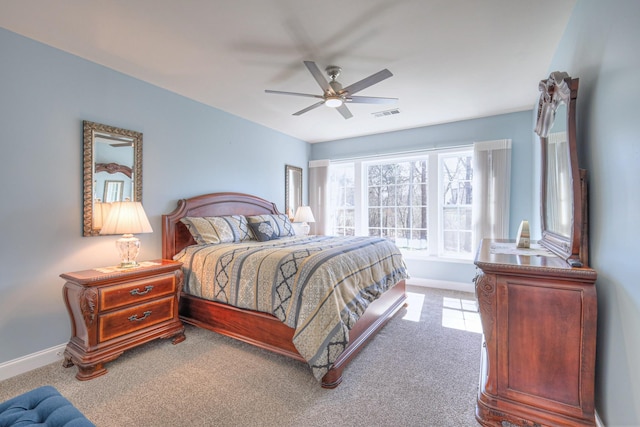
point(539, 322)
point(113, 310)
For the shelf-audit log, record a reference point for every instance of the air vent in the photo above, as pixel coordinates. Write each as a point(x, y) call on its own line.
point(386, 113)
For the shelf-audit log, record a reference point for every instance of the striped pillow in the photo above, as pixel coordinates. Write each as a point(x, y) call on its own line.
point(218, 229)
point(280, 224)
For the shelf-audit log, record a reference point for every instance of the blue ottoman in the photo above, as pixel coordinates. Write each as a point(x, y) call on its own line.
point(43, 406)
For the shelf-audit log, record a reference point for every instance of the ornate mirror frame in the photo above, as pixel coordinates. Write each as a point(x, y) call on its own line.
point(91, 132)
point(292, 189)
point(557, 92)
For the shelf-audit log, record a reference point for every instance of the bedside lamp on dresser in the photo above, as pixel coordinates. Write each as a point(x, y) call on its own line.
point(127, 218)
point(304, 216)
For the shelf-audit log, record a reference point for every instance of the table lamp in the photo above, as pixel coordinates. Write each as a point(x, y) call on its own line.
point(304, 215)
point(127, 218)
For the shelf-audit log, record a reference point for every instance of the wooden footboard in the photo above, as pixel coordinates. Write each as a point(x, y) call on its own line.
point(374, 318)
point(268, 332)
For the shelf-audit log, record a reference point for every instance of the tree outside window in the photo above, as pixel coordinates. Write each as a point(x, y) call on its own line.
point(423, 203)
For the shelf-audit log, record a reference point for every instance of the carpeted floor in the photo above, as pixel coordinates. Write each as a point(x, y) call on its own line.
point(413, 373)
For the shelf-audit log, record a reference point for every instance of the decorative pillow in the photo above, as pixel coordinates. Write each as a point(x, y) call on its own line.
point(280, 223)
point(218, 229)
point(263, 231)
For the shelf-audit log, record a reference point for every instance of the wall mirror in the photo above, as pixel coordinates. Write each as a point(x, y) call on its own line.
point(292, 189)
point(563, 192)
point(112, 171)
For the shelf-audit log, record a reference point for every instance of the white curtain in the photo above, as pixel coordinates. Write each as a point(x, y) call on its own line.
point(318, 195)
point(491, 189)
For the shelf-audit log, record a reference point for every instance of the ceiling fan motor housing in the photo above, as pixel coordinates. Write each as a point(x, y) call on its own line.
point(333, 71)
point(337, 88)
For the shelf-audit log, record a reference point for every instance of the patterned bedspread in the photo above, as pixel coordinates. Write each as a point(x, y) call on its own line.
point(317, 285)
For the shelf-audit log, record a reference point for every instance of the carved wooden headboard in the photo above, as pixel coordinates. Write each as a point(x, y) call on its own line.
point(175, 235)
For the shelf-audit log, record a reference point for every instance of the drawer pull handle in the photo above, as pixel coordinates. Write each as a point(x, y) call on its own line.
point(135, 316)
point(147, 289)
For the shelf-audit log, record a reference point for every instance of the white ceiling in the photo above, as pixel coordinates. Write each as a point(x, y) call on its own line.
point(451, 59)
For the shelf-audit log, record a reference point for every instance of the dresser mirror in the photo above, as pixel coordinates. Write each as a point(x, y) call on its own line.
point(292, 189)
point(112, 168)
point(562, 189)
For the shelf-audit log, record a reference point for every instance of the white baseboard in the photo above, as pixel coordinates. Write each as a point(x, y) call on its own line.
point(31, 361)
point(442, 284)
point(599, 422)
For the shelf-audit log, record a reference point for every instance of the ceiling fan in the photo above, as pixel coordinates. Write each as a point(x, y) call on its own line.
point(334, 95)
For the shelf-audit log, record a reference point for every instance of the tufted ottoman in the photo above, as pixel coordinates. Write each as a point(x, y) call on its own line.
point(43, 406)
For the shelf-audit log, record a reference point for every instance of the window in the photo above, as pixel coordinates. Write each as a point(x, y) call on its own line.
point(456, 175)
point(342, 199)
point(397, 201)
point(421, 202)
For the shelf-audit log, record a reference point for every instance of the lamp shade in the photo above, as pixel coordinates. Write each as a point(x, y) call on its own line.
point(100, 213)
point(304, 214)
point(126, 218)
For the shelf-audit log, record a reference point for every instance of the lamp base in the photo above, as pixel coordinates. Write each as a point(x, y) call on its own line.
point(129, 247)
point(305, 228)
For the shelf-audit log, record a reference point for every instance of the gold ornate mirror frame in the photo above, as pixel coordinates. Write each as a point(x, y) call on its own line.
point(92, 132)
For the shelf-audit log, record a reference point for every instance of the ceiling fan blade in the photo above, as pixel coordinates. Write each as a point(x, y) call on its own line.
point(317, 74)
point(368, 81)
point(344, 111)
point(279, 92)
point(370, 100)
point(309, 108)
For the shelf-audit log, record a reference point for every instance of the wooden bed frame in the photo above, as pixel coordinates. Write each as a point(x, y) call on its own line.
point(261, 329)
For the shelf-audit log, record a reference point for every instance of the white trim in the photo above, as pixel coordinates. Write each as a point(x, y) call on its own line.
point(319, 163)
point(498, 144)
point(31, 361)
point(442, 284)
point(402, 154)
point(599, 422)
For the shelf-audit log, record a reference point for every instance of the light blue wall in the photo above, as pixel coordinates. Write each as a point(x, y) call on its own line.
point(515, 126)
point(600, 46)
point(188, 149)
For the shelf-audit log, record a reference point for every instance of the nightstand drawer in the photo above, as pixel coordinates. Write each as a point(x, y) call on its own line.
point(136, 291)
point(114, 310)
point(122, 322)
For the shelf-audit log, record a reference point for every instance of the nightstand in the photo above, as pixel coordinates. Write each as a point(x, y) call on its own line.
point(113, 310)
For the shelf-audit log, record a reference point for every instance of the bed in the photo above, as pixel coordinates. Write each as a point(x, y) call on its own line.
point(261, 328)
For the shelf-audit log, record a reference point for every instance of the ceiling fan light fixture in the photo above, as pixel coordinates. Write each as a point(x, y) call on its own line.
point(334, 96)
point(333, 101)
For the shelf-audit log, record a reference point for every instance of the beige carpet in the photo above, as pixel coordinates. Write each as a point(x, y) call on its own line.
point(413, 373)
